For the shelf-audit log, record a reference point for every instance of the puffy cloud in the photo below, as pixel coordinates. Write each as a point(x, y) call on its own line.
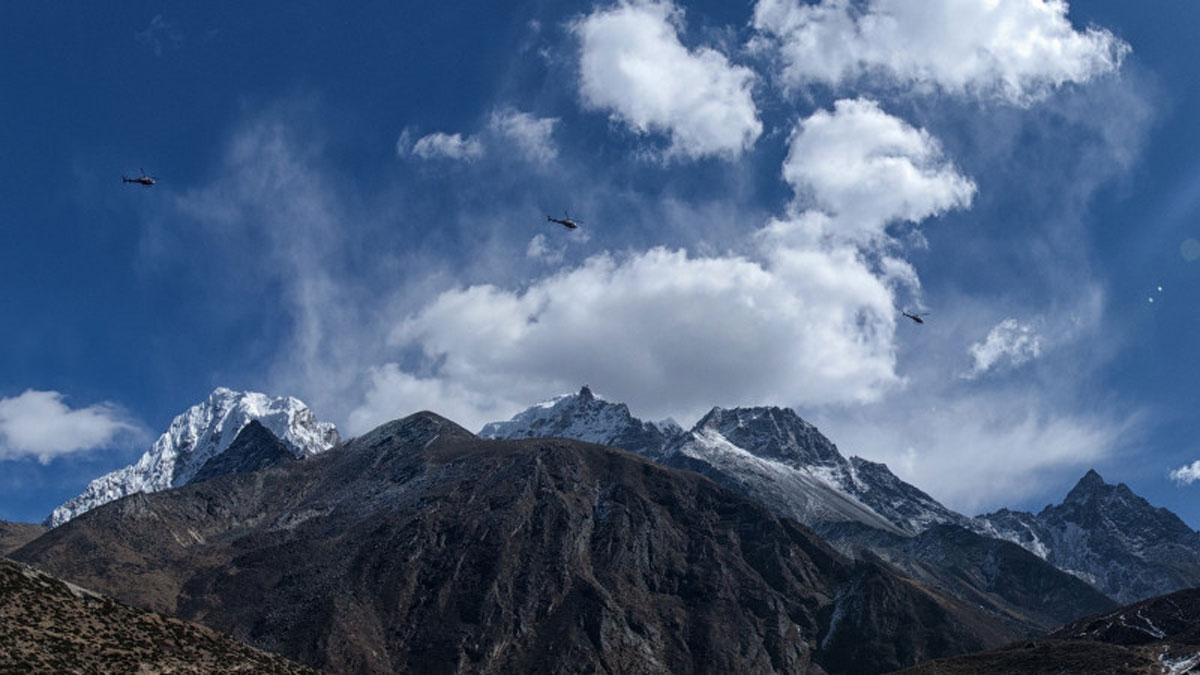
point(449, 146)
point(867, 169)
point(1187, 474)
point(1015, 50)
point(666, 332)
point(633, 64)
point(808, 320)
point(1009, 339)
point(531, 135)
point(39, 424)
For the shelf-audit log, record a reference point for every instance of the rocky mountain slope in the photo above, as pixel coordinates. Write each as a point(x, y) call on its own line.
point(1108, 536)
point(778, 459)
point(418, 547)
point(15, 535)
point(50, 626)
point(198, 435)
point(1159, 635)
point(995, 575)
point(769, 453)
point(783, 461)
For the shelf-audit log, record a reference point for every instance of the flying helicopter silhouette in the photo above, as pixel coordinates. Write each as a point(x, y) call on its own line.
point(914, 316)
point(565, 221)
point(140, 180)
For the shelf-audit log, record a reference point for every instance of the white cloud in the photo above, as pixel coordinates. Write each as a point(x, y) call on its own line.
point(633, 64)
point(979, 450)
point(1010, 340)
point(531, 135)
point(665, 332)
point(39, 424)
point(867, 169)
point(1015, 50)
point(540, 248)
point(448, 146)
point(1187, 474)
point(810, 320)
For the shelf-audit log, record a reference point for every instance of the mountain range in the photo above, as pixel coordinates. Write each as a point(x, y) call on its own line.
point(1104, 535)
point(419, 547)
point(539, 547)
point(1108, 536)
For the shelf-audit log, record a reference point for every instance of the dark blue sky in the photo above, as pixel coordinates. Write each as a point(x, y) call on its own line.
point(351, 209)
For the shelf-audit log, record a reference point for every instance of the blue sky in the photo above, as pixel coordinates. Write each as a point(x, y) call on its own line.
point(351, 209)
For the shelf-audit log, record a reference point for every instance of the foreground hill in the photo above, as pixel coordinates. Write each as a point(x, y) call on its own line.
point(1159, 635)
point(15, 535)
point(421, 548)
point(49, 626)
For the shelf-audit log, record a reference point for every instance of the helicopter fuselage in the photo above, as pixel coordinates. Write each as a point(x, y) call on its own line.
point(565, 222)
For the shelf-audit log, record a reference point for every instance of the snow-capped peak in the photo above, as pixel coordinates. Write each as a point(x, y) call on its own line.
point(585, 416)
point(197, 435)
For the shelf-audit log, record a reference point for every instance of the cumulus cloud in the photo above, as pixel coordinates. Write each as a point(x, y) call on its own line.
point(1187, 474)
point(39, 424)
point(633, 65)
point(1014, 50)
point(448, 146)
point(531, 135)
point(1008, 340)
point(867, 169)
point(668, 331)
point(808, 319)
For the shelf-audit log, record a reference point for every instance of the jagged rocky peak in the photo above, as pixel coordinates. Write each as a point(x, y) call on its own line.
point(773, 433)
point(254, 448)
point(587, 417)
point(199, 434)
point(1088, 486)
point(1108, 536)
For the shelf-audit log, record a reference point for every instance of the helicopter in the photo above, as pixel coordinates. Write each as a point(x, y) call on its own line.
point(140, 180)
point(566, 221)
point(914, 316)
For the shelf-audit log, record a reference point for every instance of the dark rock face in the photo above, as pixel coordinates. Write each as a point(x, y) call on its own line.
point(773, 433)
point(1173, 618)
point(1110, 537)
point(254, 448)
point(998, 576)
point(1159, 635)
point(49, 626)
point(420, 548)
point(15, 535)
